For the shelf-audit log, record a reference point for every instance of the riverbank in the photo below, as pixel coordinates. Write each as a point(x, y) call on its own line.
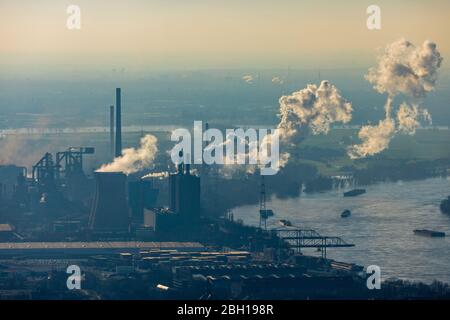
point(381, 226)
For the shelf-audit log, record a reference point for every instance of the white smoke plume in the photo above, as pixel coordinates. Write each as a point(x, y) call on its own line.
point(156, 175)
point(408, 118)
point(312, 109)
point(25, 149)
point(277, 81)
point(407, 70)
point(133, 160)
point(255, 155)
point(248, 78)
point(375, 139)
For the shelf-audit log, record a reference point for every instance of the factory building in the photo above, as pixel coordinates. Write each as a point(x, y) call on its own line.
point(6, 232)
point(91, 248)
point(141, 195)
point(8, 178)
point(184, 191)
point(184, 203)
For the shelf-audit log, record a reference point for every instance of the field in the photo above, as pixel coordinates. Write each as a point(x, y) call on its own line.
point(328, 152)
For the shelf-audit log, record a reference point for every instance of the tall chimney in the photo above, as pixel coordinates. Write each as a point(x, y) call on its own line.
point(187, 166)
point(118, 123)
point(111, 129)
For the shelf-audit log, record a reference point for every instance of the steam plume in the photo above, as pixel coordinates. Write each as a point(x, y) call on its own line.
point(133, 160)
point(408, 118)
point(405, 70)
point(309, 110)
point(248, 78)
point(277, 80)
point(159, 175)
point(375, 139)
point(26, 148)
point(312, 109)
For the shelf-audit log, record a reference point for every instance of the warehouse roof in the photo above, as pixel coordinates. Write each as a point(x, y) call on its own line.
point(99, 245)
point(6, 228)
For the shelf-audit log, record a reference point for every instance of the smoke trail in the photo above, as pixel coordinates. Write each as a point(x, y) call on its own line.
point(375, 139)
point(133, 160)
point(408, 118)
point(309, 110)
point(256, 155)
point(277, 81)
point(248, 78)
point(405, 70)
point(158, 175)
point(312, 109)
point(25, 149)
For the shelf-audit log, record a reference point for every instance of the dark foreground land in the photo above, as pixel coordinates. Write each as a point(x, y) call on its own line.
point(260, 267)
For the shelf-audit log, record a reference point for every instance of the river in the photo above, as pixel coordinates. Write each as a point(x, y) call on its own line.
point(381, 226)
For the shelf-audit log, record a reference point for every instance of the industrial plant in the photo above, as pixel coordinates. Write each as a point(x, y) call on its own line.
point(128, 246)
point(224, 153)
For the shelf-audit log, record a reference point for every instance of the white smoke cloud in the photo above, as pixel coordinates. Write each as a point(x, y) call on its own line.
point(156, 175)
point(408, 118)
point(248, 156)
point(374, 139)
point(248, 78)
point(312, 109)
point(406, 69)
point(402, 69)
point(309, 110)
point(277, 80)
point(133, 160)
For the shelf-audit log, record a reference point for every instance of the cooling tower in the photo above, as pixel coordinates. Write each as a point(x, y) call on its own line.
point(109, 211)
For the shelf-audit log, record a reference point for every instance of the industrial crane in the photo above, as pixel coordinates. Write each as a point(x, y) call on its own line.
point(46, 170)
point(264, 213)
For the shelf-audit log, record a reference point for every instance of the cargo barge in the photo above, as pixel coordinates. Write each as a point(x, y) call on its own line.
point(354, 192)
point(429, 233)
point(445, 206)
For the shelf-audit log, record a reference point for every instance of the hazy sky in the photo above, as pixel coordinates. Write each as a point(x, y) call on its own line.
point(191, 34)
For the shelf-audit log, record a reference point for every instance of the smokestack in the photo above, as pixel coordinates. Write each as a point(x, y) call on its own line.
point(118, 152)
point(111, 129)
point(181, 164)
point(187, 166)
